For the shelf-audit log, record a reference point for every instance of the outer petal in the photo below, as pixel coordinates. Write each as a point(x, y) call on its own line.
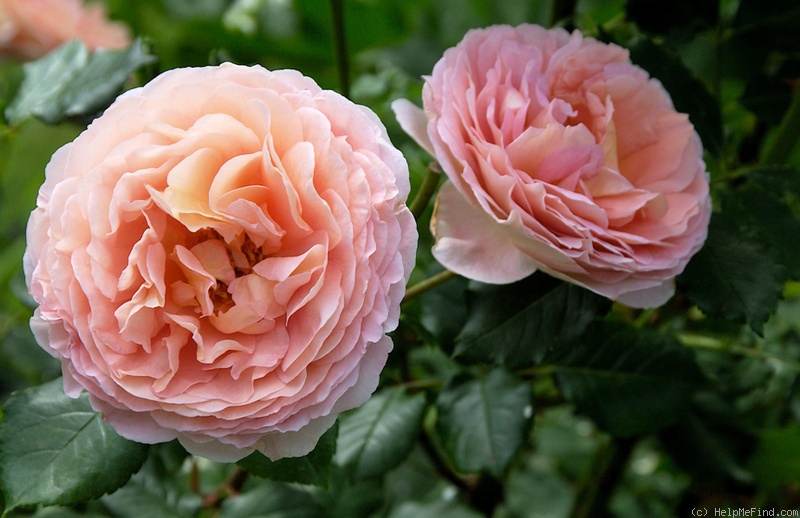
point(301, 442)
point(413, 121)
point(649, 297)
point(471, 244)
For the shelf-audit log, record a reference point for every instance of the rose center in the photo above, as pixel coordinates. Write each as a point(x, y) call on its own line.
point(210, 266)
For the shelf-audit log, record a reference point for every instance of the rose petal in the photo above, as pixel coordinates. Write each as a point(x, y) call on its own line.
point(468, 242)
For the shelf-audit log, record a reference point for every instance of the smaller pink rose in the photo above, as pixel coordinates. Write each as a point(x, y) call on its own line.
point(31, 28)
point(563, 157)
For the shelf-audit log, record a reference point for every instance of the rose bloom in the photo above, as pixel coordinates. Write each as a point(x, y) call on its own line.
point(218, 259)
point(563, 157)
point(31, 28)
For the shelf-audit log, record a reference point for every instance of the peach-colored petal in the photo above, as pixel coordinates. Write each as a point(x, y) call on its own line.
point(457, 248)
point(218, 258)
point(31, 28)
point(561, 156)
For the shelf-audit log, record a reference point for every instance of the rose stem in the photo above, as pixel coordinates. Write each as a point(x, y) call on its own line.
point(441, 467)
point(426, 190)
point(6, 136)
point(429, 283)
point(778, 150)
point(713, 344)
point(340, 44)
point(606, 471)
point(562, 11)
point(231, 487)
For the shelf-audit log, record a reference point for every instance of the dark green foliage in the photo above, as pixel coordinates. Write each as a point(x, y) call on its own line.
point(764, 203)
point(483, 420)
point(57, 450)
point(710, 442)
point(734, 277)
point(72, 82)
point(679, 16)
point(311, 469)
point(377, 436)
point(630, 382)
point(768, 24)
point(272, 500)
point(517, 325)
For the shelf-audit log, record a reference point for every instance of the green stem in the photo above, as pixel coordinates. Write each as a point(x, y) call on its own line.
point(537, 371)
point(644, 318)
point(433, 383)
point(719, 47)
point(6, 136)
point(340, 45)
point(231, 487)
point(236, 481)
point(605, 474)
point(429, 283)
point(5, 151)
point(441, 467)
point(777, 151)
point(714, 344)
point(426, 190)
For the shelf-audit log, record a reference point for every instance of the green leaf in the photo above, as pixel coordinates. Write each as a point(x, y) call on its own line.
point(310, 469)
point(711, 442)
point(10, 79)
point(71, 81)
point(519, 324)
point(688, 94)
point(377, 436)
point(272, 500)
point(761, 206)
point(442, 507)
point(537, 492)
point(685, 16)
point(354, 498)
point(768, 97)
point(55, 450)
point(443, 312)
point(137, 499)
point(570, 439)
point(65, 512)
point(629, 381)
point(769, 24)
point(733, 277)
point(162, 488)
point(22, 362)
point(597, 12)
point(484, 420)
point(776, 460)
point(23, 158)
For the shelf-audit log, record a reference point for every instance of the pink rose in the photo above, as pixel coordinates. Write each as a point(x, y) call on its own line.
point(219, 257)
point(563, 157)
point(31, 28)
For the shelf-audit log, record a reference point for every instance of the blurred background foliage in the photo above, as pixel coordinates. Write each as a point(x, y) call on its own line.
point(599, 410)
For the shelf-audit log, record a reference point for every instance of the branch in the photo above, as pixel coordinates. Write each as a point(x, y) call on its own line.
point(340, 45)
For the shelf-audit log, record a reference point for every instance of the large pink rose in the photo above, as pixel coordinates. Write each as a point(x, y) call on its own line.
point(219, 257)
point(564, 157)
point(32, 28)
